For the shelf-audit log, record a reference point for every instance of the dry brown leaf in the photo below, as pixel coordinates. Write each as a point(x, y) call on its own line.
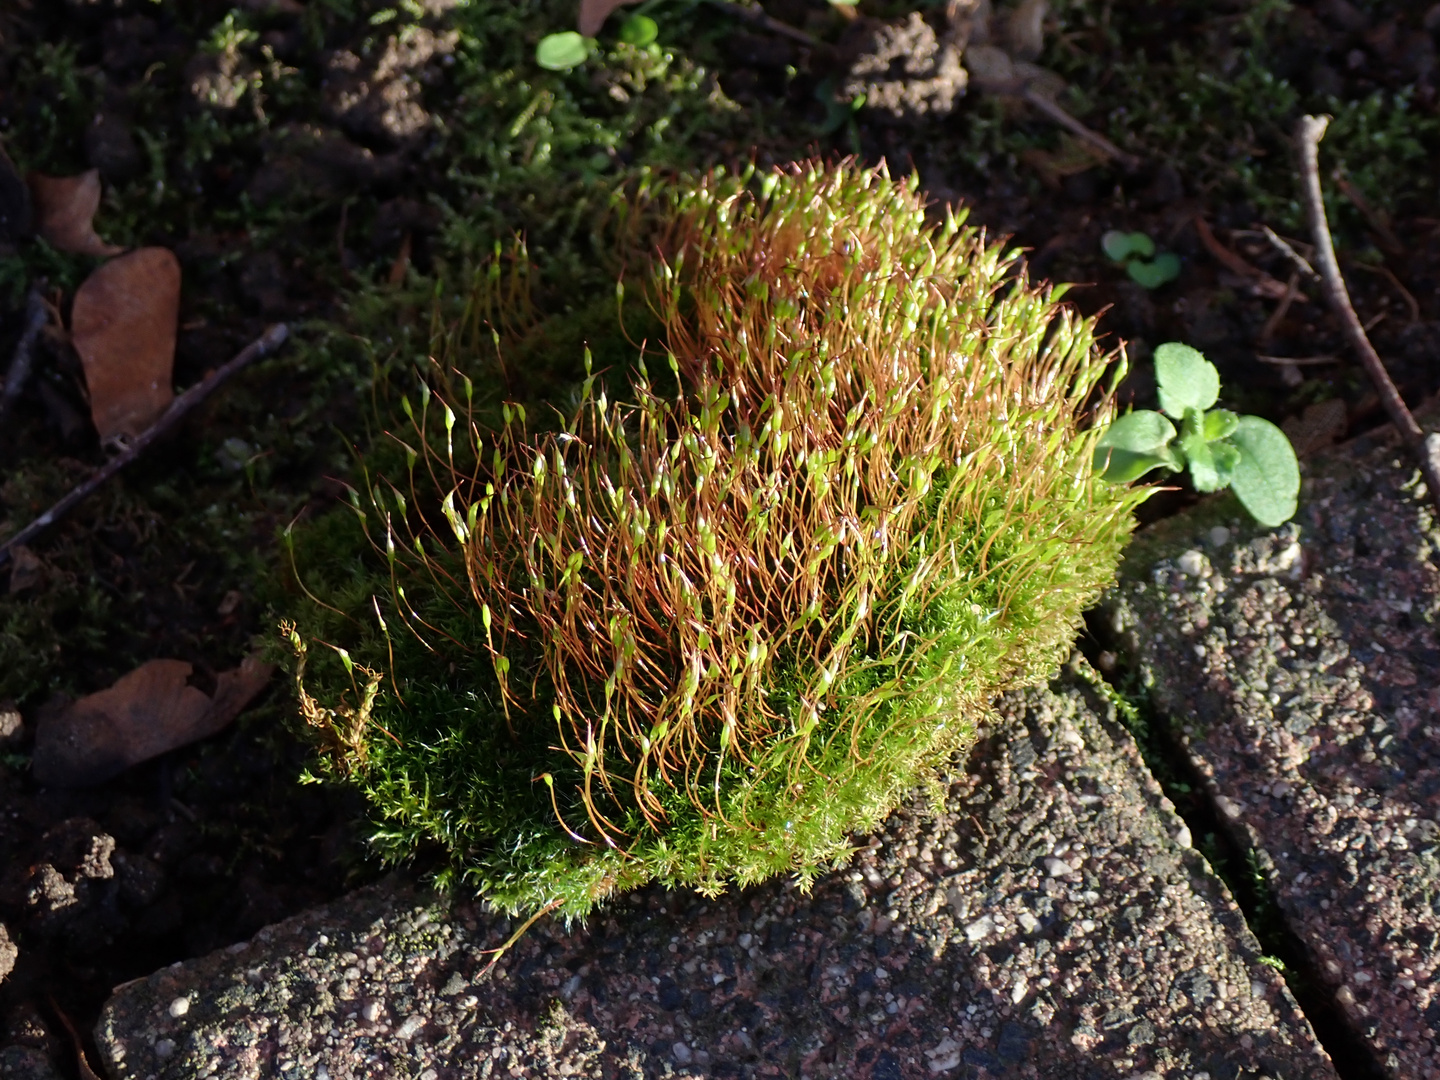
point(123, 326)
point(66, 208)
point(1322, 424)
point(593, 14)
point(151, 710)
point(27, 570)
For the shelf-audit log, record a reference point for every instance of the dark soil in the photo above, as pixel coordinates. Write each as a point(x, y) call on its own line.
point(308, 165)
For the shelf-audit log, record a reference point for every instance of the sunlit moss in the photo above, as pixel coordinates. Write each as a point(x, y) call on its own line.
point(704, 634)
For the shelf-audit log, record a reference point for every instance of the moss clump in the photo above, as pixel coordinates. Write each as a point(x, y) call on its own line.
point(702, 635)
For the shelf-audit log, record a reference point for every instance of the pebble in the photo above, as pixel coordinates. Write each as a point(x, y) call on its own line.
point(411, 1025)
point(1027, 922)
point(370, 1011)
point(179, 1007)
point(978, 929)
point(1056, 867)
point(1219, 536)
point(682, 1053)
point(1191, 562)
point(164, 1048)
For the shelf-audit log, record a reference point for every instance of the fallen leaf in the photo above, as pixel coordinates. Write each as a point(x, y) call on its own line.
point(593, 14)
point(1025, 29)
point(1322, 424)
point(151, 710)
point(1073, 157)
point(991, 69)
point(26, 569)
point(66, 206)
point(123, 326)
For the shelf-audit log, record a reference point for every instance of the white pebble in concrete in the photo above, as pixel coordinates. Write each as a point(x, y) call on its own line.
point(179, 1007)
point(1191, 563)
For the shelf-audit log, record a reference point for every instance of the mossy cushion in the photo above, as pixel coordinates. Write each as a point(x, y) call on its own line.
point(703, 634)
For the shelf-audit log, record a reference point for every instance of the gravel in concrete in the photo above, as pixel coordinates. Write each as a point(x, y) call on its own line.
point(1299, 667)
point(1050, 921)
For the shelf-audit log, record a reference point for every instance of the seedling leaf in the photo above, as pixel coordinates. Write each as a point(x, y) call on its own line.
point(1266, 477)
point(1154, 274)
point(1226, 457)
point(1121, 245)
point(1203, 471)
point(1184, 379)
point(1135, 444)
point(562, 51)
point(1220, 424)
point(639, 30)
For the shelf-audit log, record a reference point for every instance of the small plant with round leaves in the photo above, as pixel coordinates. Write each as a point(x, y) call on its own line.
point(568, 49)
point(1136, 252)
point(1249, 455)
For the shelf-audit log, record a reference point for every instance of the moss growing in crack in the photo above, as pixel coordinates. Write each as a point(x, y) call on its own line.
point(701, 636)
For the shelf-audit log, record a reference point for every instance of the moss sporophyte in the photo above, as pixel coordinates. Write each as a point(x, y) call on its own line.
point(704, 634)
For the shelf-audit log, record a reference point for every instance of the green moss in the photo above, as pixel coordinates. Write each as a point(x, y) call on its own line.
point(869, 510)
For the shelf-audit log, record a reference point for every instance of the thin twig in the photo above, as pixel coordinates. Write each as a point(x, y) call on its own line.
point(1389, 275)
point(1282, 309)
point(273, 337)
point(1426, 448)
point(1262, 283)
point(83, 1066)
point(36, 315)
point(1289, 373)
point(1298, 361)
point(1288, 250)
point(1054, 112)
point(758, 18)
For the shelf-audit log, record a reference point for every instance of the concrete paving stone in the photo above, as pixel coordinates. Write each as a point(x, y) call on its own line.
point(1050, 921)
point(1299, 669)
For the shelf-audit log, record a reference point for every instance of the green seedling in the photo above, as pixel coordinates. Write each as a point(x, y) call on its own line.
point(1132, 250)
point(563, 51)
point(1249, 455)
point(639, 30)
point(569, 49)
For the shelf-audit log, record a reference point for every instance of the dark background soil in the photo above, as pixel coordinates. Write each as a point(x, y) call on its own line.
point(297, 207)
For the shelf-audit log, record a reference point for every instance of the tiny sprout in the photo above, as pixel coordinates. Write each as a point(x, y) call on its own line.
point(1251, 456)
point(563, 51)
point(1132, 250)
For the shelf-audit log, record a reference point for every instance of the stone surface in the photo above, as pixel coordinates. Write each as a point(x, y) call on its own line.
point(1299, 668)
point(903, 69)
point(8, 953)
point(1049, 921)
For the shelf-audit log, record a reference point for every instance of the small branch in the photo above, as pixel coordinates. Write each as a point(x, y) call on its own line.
point(36, 315)
point(1262, 283)
point(265, 344)
point(1298, 361)
point(756, 17)
point(1053, 112)
point(1389, 275)
point(1288, 250)
point(1426, 448)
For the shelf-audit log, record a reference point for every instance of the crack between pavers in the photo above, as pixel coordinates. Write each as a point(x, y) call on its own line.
point(1227, 852)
